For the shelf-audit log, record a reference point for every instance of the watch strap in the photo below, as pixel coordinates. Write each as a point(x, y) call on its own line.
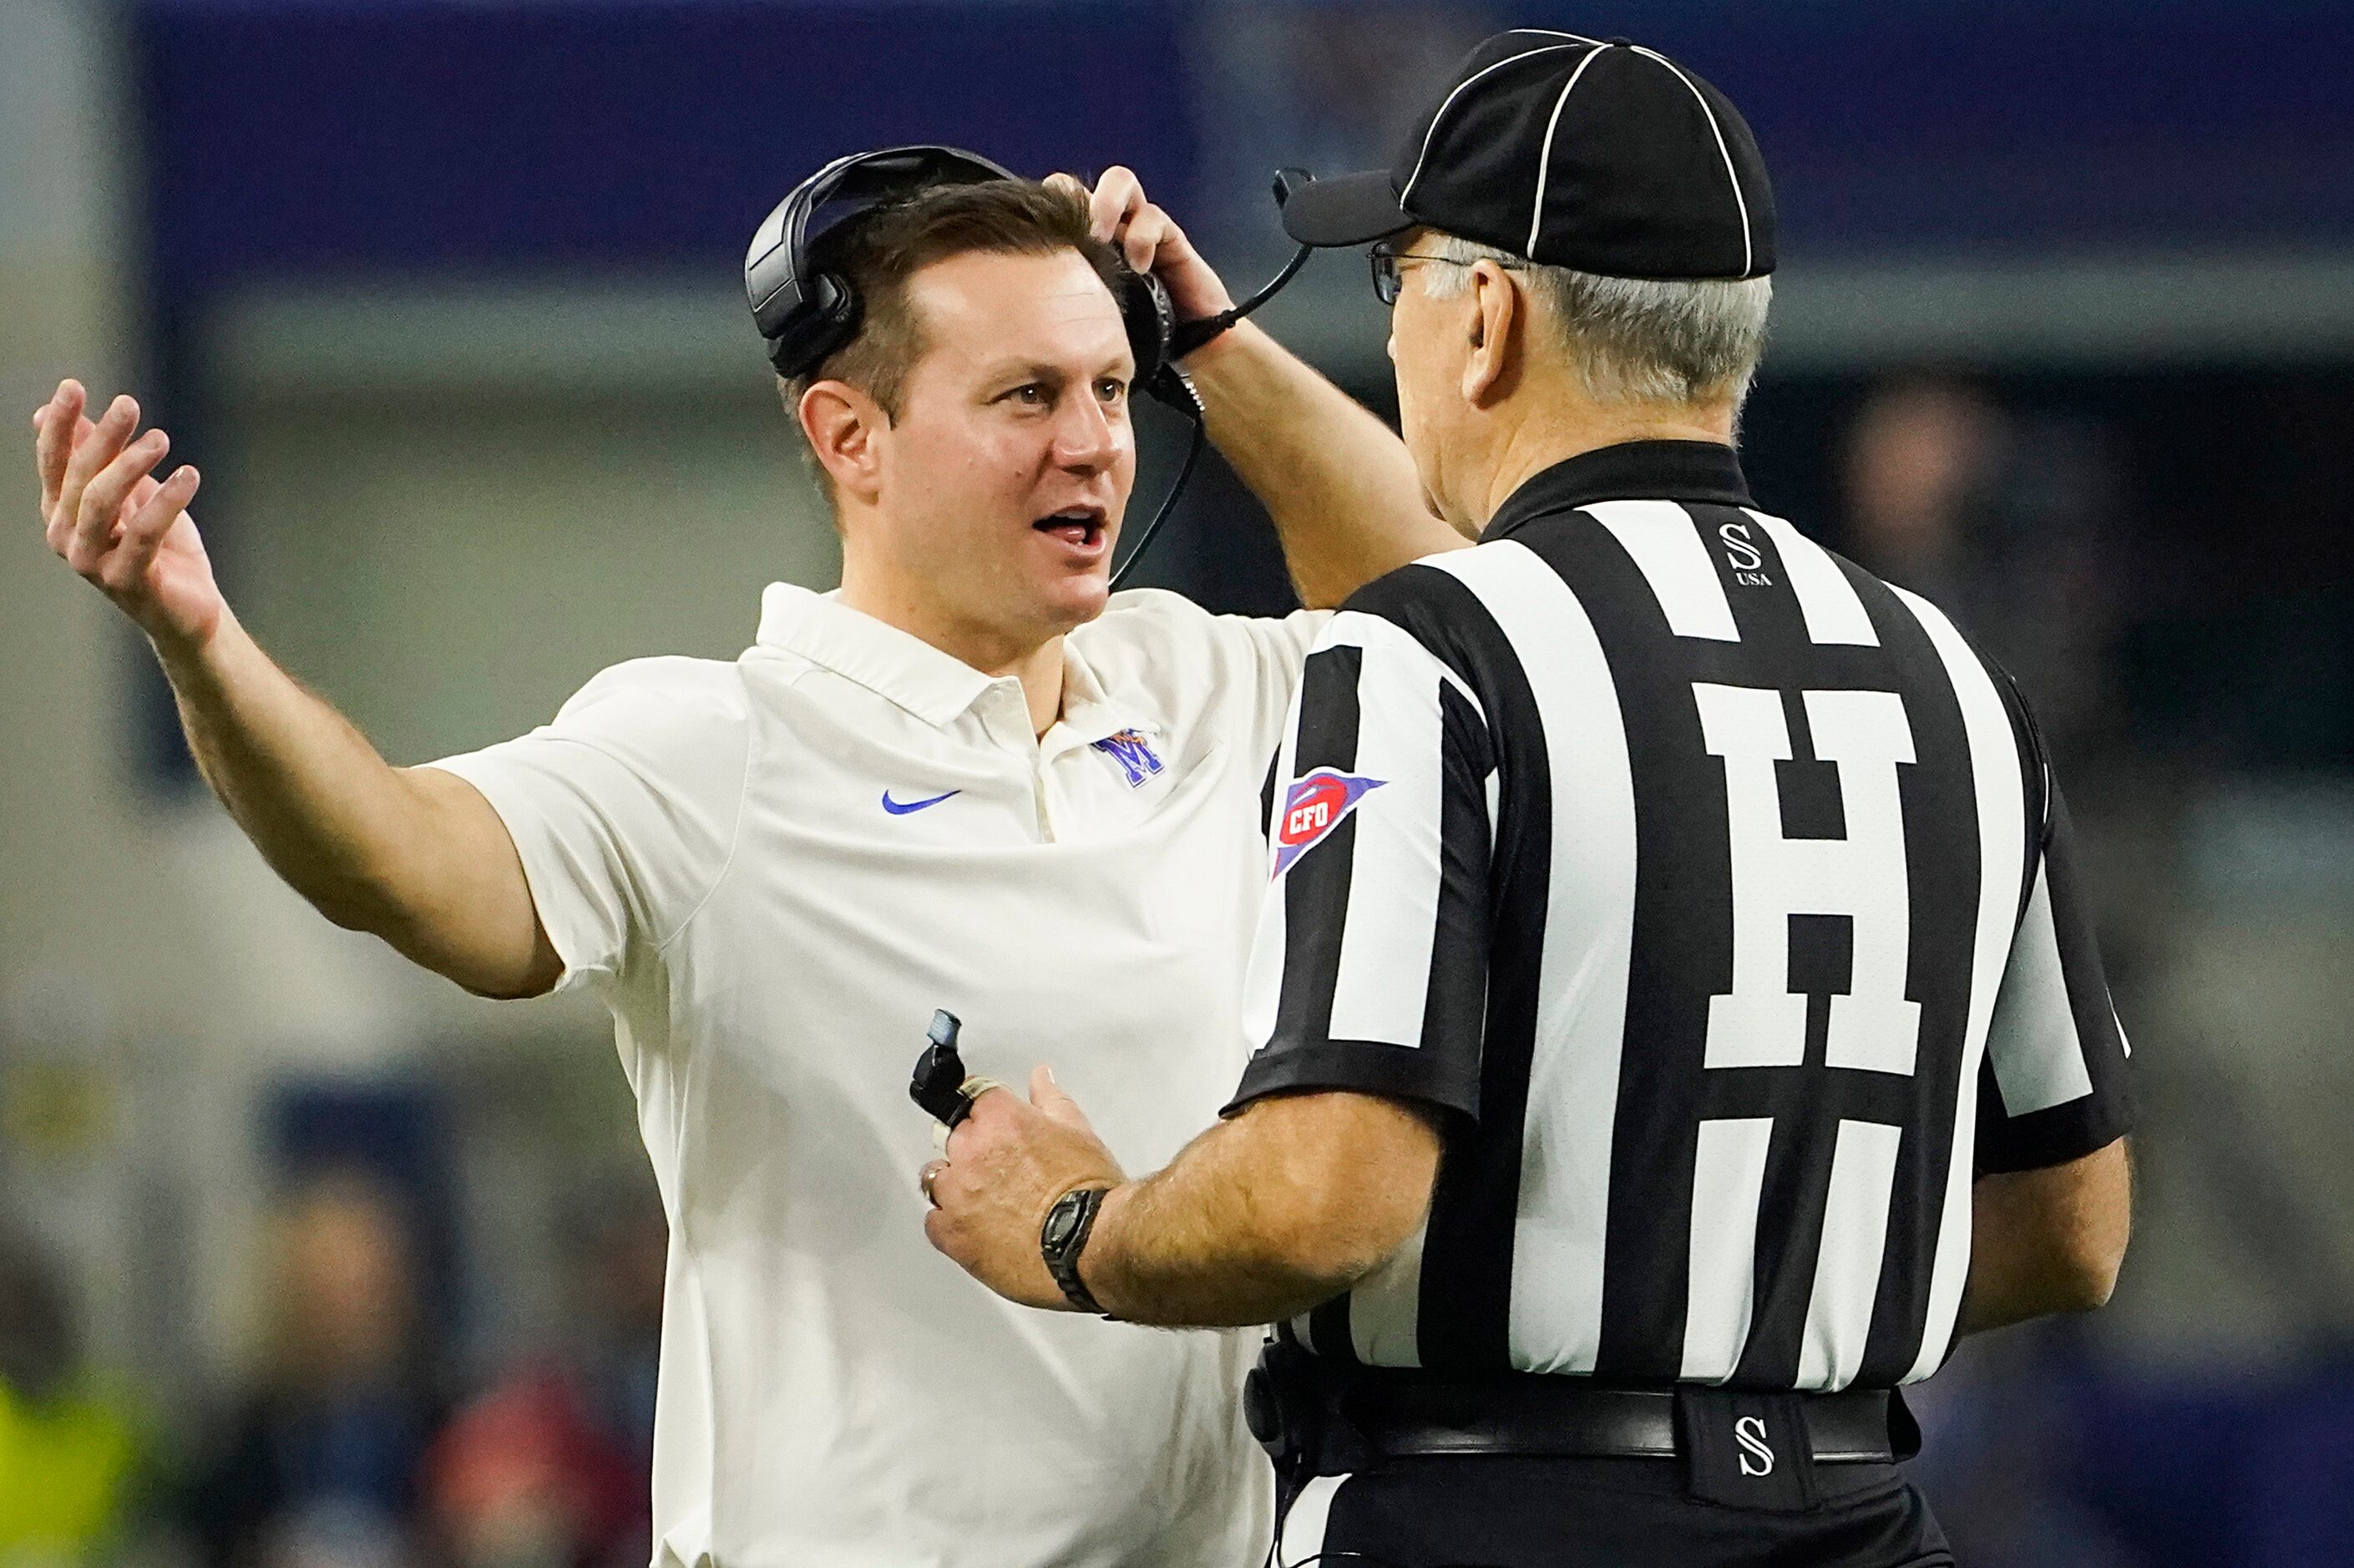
point(1063, 1258)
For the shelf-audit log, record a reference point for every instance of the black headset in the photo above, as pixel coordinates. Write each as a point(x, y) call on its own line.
point(805, 314)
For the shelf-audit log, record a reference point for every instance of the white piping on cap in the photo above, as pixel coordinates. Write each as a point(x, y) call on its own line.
point(1448, 102)
point(1550, 33)
point(1544, 158)
point(1748, 247)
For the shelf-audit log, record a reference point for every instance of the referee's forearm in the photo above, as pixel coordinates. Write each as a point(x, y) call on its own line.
point(1342, 491)
point(1264, 1215)
point(1158, 1258)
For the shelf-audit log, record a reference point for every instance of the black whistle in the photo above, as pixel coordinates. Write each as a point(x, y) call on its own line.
point(938, 1084)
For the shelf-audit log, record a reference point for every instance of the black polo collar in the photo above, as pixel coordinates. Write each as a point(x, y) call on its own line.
point(1633, 470)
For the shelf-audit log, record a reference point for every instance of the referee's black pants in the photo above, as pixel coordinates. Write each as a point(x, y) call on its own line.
point(1497, 1511)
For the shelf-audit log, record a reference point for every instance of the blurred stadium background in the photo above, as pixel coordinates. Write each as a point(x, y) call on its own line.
point(307, 1261)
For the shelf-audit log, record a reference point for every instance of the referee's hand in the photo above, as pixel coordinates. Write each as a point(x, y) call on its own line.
point(1007, 1163)
point(1151, 241)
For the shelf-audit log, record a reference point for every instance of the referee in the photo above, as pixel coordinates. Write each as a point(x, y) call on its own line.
point(1676, 1016)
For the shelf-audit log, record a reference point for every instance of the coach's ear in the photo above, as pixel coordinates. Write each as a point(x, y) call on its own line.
point(845, 429)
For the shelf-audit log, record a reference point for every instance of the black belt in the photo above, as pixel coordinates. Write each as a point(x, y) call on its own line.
point(1554, 1417)
point(1336, 1419)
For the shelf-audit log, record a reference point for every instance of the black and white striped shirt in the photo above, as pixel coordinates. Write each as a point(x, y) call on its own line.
point(1720, 895)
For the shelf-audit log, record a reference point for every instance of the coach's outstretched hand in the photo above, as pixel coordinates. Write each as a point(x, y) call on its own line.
point(1151, 241)
point(1007, 1164)
point(105, 512)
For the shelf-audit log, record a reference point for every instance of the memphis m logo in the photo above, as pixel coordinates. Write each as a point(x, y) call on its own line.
point(1134, 755)
point(1312, 808)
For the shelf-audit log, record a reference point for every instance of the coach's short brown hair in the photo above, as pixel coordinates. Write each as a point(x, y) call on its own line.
point(877, 251)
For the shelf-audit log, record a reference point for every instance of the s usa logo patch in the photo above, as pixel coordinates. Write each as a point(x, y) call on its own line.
point(1312, 808)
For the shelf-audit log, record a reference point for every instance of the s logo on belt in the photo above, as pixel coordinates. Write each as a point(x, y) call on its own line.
point(1756, 1459)
point(1312, 808)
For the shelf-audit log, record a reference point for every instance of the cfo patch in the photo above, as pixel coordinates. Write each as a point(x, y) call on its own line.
point(1312, 808)
point(1134, 755)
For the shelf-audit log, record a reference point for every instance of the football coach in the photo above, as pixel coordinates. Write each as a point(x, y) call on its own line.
point(1677, 1019)
point(969, 776)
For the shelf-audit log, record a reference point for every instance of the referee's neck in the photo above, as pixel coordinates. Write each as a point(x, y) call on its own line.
point(1561, 428)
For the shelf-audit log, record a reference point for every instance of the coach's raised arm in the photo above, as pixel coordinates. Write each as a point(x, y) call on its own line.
point(413, 856)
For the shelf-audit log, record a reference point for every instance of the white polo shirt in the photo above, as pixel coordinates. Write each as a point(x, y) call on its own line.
point(773, 871)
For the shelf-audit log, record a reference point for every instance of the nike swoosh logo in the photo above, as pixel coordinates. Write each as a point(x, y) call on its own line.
point(901, 808)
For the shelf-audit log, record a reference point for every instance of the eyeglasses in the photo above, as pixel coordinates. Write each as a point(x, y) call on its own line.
point(1388, 279)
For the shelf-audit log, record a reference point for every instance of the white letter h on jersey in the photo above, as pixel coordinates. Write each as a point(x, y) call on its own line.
point(1762, 1022)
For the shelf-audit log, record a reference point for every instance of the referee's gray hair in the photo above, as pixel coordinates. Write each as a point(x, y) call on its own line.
point(1634, 340)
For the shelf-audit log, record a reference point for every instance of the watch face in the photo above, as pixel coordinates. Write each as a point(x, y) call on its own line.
point(1064, 1215)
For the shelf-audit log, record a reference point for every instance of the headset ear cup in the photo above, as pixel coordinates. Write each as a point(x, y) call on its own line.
point(829, 320)
point(840, 309)
point(1151, 319)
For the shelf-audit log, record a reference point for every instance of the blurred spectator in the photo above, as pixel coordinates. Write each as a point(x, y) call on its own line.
point(625, 1268)
point(2002, 519)
point(70, 1449)
point(319, 1464)
point(524, 1478)
point(553, 1468)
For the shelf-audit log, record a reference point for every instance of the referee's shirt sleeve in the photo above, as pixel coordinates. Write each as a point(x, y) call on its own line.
point(2053, 1087)
point(1368, 971)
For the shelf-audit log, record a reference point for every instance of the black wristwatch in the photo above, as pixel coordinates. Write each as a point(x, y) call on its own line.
point(1064, 1236)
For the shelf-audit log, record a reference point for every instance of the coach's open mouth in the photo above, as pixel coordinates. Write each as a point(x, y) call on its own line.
point(1080, 526)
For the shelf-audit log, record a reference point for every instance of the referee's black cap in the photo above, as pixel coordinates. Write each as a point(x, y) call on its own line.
point(1599, 155)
